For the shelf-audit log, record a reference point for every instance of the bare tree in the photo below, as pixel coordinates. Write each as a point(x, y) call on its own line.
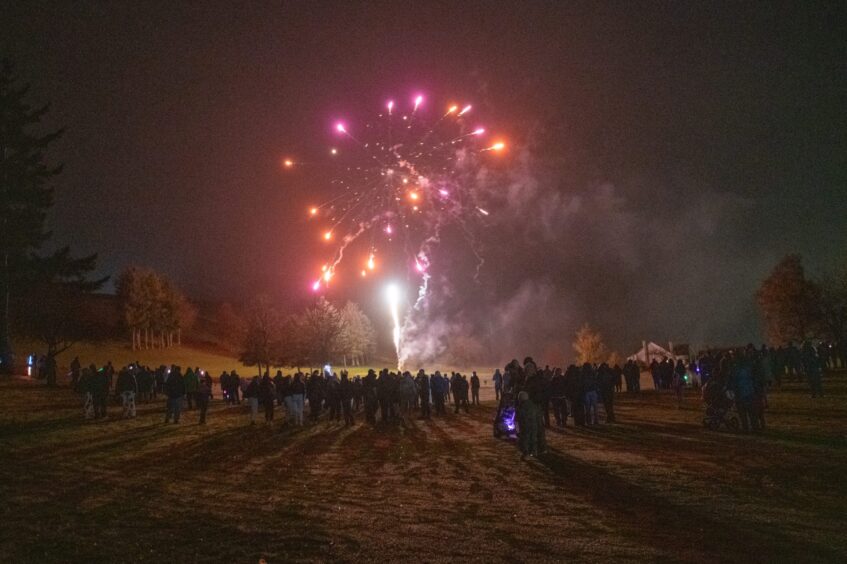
point(261, 340)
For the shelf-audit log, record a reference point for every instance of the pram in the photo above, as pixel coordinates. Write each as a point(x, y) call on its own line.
point(720, 407)
point(504, 420)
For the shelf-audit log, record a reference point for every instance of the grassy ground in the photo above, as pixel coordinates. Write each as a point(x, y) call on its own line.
point(655, 486)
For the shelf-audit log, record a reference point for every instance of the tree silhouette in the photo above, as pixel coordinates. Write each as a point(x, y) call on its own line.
point(26, 195)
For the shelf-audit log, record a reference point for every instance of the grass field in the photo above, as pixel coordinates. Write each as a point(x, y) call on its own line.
point(655, 487)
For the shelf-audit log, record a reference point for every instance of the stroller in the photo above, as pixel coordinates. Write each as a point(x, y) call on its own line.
point(720, 407)
point(504, 420)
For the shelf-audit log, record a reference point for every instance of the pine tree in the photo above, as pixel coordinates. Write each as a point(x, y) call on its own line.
point(26, 195)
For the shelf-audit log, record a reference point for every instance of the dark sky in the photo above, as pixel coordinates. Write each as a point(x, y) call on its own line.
point(663, 155)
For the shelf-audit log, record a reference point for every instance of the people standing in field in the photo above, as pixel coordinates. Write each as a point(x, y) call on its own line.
point(422, 385)
point(267, 397)
point(251, 394)
point(192, 382)
point(474, 389)
point(558, 393)
point(497, 379)
point(297, 395)
point(345, 392)
point(99, 391)
point(175, 392)
point(204, 396)
point(127, 388)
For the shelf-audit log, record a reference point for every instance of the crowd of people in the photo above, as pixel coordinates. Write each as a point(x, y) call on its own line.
point(387, 397)
point(576, 393)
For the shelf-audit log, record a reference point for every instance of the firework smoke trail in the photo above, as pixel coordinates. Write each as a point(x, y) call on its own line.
point(393, 295)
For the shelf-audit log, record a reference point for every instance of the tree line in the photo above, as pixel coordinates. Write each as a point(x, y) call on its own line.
point(320, 334)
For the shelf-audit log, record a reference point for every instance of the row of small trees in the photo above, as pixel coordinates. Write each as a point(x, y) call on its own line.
point(322, 333)
point(795, 308)
point(153, 307)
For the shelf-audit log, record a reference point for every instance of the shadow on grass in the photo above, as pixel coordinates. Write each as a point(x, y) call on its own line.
point(693, 532)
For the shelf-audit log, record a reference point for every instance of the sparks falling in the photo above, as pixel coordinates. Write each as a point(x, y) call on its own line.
point(395, 180)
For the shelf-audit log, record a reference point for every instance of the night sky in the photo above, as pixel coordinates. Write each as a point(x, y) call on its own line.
point(663, 156)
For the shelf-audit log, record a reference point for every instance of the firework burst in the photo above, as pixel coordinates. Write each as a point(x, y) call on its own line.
point(399, 178)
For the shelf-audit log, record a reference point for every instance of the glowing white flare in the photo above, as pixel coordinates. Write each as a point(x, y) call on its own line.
point(392, 292)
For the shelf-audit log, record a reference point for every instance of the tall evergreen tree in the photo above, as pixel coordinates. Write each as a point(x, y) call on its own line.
point(26, 195)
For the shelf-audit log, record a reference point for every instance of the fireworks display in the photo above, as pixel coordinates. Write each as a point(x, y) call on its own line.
point(398, 179)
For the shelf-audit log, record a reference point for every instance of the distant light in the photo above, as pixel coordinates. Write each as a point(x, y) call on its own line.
point(413, 195)
point(390, 106)
point(479, 131)
point(371, 263)
point(288, 163)
point(328, 235)
point(388, 229)
point(364, 273)
point(465, 110)
point(452, 109)
point(316, 286)
point(340, 127)
point(418, 101)
point(482, 211)
point(327, 276)
point(444, 192)
point(313, 211)
point(333, 151)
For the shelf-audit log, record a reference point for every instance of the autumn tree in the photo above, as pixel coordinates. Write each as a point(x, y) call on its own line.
point(152, 306)
point(787, 302)
point(589, 346)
